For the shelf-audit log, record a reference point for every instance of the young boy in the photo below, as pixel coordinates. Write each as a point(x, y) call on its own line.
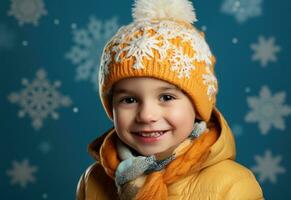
point(169, 141)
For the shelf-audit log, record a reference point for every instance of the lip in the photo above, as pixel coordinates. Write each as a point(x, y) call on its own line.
point(149, 131)
point(149, 139)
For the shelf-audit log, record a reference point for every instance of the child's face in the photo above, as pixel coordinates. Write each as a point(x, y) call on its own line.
point(151, 116)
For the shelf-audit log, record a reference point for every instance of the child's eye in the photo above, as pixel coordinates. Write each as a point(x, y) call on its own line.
point(167, 97)
point(128, 100)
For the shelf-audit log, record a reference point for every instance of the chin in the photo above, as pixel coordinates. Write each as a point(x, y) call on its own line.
point(148, 153)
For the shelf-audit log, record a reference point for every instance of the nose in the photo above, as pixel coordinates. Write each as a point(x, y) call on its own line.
point(147, 113)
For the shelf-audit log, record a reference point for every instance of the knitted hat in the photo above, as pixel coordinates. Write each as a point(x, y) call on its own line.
point(161, 43)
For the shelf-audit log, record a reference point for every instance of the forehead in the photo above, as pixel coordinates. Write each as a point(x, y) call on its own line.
point(142, 83)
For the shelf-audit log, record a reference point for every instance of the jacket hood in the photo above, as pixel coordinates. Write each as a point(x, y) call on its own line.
point(222, 149)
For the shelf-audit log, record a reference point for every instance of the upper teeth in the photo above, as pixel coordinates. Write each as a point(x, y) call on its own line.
point(153, 134)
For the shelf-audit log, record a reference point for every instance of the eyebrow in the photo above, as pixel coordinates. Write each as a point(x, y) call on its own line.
point(160, 89)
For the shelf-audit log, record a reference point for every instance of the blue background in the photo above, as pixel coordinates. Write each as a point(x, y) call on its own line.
point(64, 158)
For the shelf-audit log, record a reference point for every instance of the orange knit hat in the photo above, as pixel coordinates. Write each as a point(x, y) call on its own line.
point(161, 43)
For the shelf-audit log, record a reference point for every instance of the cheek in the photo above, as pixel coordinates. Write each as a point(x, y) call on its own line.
point(183, 117)
point(121, 119)
point(117, 119)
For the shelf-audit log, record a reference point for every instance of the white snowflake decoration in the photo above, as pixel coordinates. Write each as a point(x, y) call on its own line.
point(22, 173)
point(211, 83)
point(44, 147)
point(268, 166)
point(201, 48)
point(268, 110)
point(237, 129)
point(181, 63)
point(27, 11)
point(170, 30)
point(105, 59)
point(88, 46)
point(39, 99)
point(7, 38)
point(141, 39)
point(140, 47)
point(242, 9)
point(265, 50)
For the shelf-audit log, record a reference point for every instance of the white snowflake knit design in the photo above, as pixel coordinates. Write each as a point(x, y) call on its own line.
point(268, 166)
point(133, 42)
point(167, 29)
point(170, 30)
point(7, 38)
point(265, 50)
point(22, 173)
point(242, 9)
point(181, 63)
point(27, 11)
point(211, 82)
point(268, 110)
point(39, 99)
point(201, 48)
point(88, 47)
point(140, 47)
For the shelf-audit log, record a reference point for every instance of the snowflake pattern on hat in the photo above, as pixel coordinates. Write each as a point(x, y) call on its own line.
point(140, 47)
point(140, 40)
point(211, 82)
point(182, 63)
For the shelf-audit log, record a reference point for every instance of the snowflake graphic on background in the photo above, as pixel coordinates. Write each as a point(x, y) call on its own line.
point(265, 50)
point(27, 11)
point(22, 173)
point(237, 130)
point(268, 110)
point(39, 99)
point(242, 9)
point(44, 147)
point(87, 50)
point(268, 167)
point(7, 38)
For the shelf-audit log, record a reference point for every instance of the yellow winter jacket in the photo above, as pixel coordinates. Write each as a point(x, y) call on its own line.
point(219, 177)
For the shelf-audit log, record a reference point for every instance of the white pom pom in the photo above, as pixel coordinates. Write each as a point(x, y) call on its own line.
point(158, 9)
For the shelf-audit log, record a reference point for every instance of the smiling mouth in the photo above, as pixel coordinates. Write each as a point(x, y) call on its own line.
point(150, 134)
